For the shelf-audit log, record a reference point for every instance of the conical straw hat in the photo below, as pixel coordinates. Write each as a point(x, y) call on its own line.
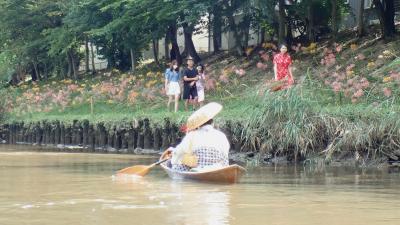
point(203, 115)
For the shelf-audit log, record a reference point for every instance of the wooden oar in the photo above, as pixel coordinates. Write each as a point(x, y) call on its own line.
point(140, 170)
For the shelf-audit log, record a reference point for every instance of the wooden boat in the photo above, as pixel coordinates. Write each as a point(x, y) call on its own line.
point(228, 175)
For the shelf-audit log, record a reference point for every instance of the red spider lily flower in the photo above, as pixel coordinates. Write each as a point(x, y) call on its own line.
point(262, 66)
point(360, 57)
point(358, 93)
point(395, 76)
point(339, 48)
point(265, 57)
point(224, 79)
point(210, 84)
point(387, 92)
point(364, 82)
point(295, 48)
point(240, 72)
point(350, 67)
point(337, 86)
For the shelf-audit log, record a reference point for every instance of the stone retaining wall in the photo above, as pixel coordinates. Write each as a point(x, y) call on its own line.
point(117, 137)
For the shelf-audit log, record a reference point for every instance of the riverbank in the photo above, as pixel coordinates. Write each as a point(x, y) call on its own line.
point(344, 107)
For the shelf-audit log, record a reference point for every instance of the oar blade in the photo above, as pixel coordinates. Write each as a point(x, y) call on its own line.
point(139, 170)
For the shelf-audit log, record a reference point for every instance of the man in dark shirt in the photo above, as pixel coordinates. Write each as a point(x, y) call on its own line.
point(190, 76)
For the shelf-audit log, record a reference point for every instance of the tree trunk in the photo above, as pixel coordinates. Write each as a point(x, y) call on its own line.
point(262, 38)
point(216, 29)
point(289, 34)
point(189, 45)
point(166, 46)
point(360, 26)
point(385, 13)
point(133, 59)
point(155, 51)
point(236, 35)
point(334, 19)
point(86, 55)
point(281, 21)
point(35, 67)
point(216, 26)
point(69, 73)
point(45, 72)
point(310, 27)
point(175, 52)
point(60, 70)
point(246, 32)
point(75, 72)
point(390, 14)
point(33, 74)
point(92, 53)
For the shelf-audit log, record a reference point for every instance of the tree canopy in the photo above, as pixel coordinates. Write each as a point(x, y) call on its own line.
point(43, 38)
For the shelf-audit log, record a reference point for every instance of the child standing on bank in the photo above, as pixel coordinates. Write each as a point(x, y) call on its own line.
point(200, 84)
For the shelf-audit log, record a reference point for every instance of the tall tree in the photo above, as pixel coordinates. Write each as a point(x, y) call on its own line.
point(360, 19)
point(281, 21)
point(311, 21)
point(334, 19)
point(216, 25)
point(386, 12)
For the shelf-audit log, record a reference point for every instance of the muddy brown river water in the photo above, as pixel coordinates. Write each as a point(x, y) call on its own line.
point(39, 188)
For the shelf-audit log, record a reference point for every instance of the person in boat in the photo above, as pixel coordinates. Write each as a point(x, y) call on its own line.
point(203, 146)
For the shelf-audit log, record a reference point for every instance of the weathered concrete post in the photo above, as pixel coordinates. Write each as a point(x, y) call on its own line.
point(132, 137)
point(102, 135)
point(39, 133)
point(85, 133)
point(57, 133)
point(166, 131)
point(140, 140)
point(92, 138)
point(53, 133)
point(62, 133)
point(174, 134)
point(157, 138)
point(147, 135)
point(68, 134)
point(111, 134)
point(117, 137)
point(11, 135)
point(45, 133)
point(124, 137)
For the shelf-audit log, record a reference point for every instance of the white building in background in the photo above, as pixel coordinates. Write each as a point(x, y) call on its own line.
point(203, 41)
point(99, 62)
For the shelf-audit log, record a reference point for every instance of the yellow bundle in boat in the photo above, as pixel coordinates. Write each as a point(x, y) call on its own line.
point(189, 160)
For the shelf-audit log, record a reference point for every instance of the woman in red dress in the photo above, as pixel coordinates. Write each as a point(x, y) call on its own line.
point(282, 67)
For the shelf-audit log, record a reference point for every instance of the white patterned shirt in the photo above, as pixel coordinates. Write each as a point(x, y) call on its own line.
point(204, 137)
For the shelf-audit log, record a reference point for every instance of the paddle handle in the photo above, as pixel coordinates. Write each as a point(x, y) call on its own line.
point(159, 162)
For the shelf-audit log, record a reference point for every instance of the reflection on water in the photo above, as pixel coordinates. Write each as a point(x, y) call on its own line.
point(56, 188)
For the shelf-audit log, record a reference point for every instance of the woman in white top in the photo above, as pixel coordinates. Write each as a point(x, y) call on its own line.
point(172, 88)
